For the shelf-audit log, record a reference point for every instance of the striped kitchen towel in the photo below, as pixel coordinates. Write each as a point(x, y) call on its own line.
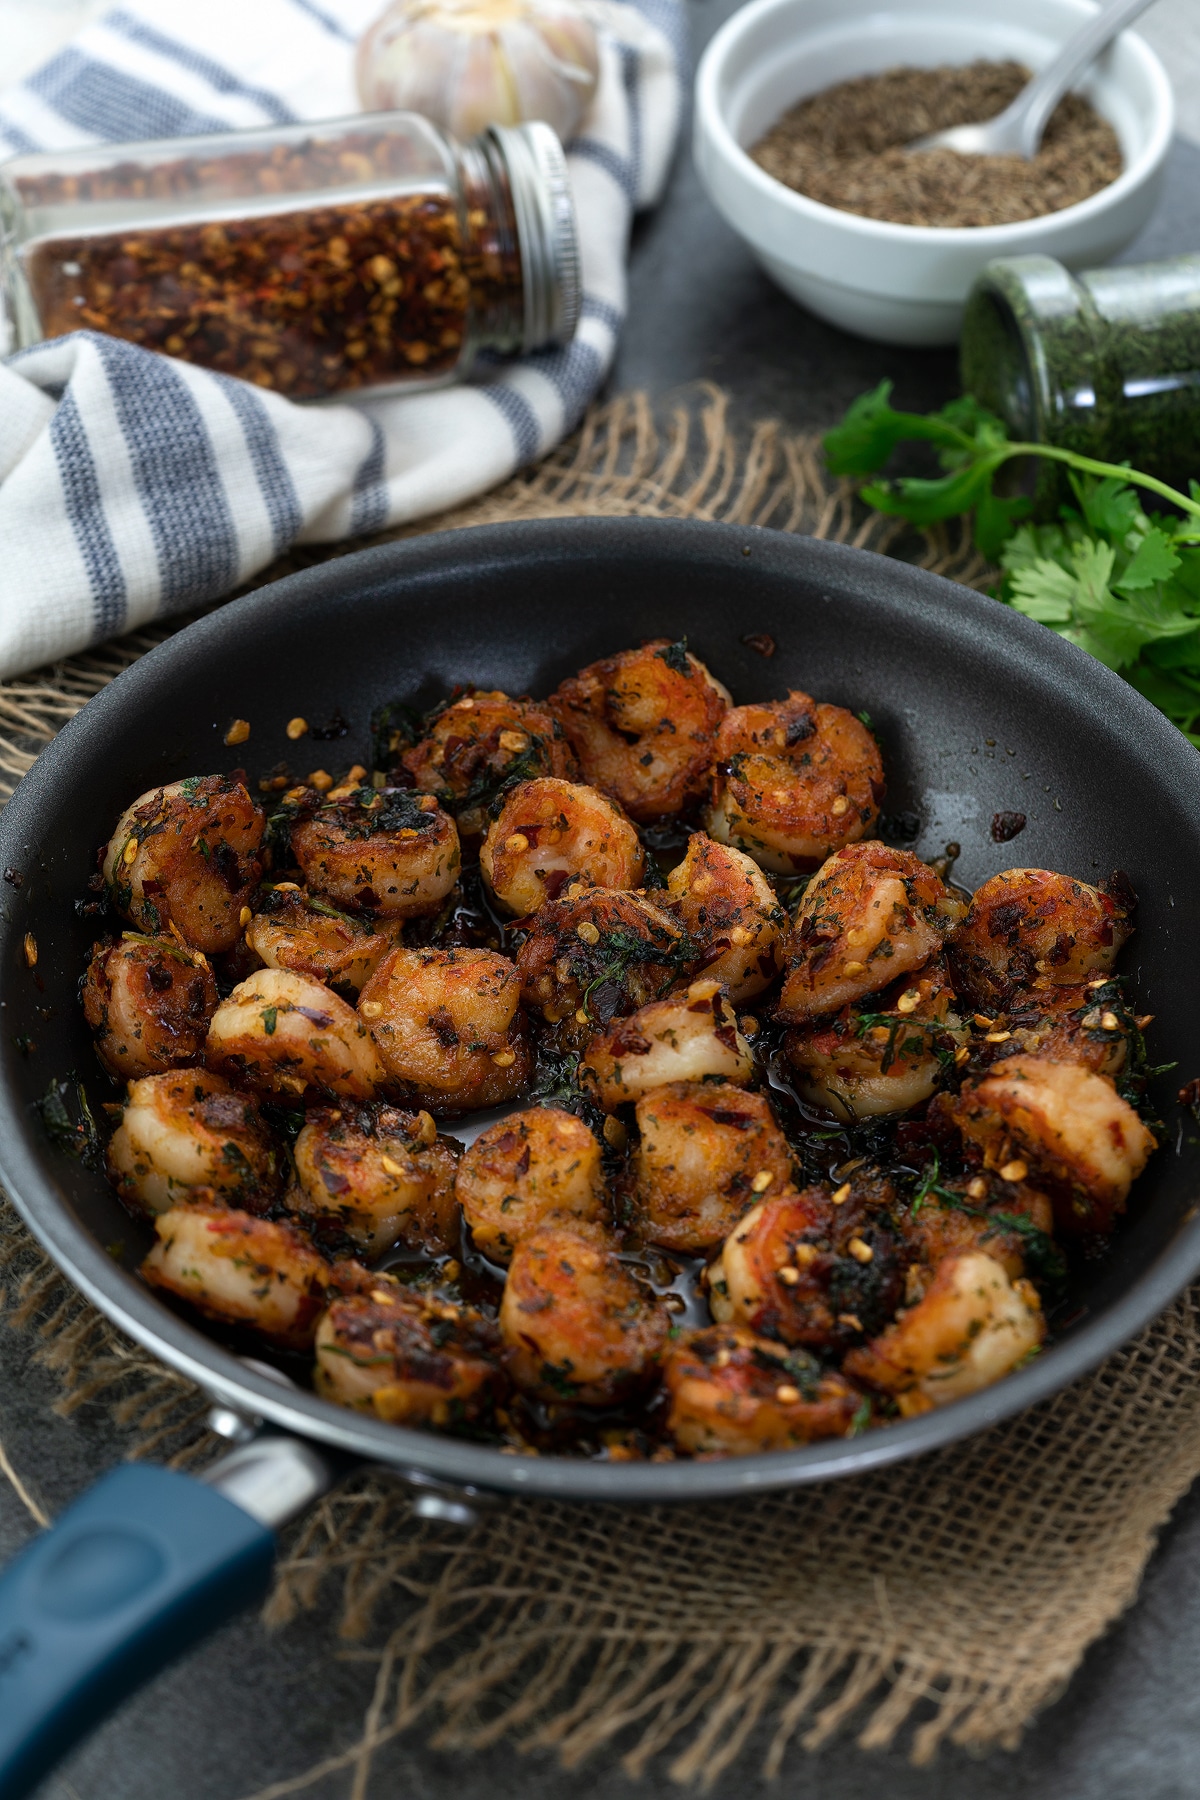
point(133, 485)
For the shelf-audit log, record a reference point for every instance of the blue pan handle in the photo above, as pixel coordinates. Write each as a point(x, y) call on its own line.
point(146, 1564)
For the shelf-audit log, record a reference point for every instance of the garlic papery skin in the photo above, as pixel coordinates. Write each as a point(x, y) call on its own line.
point(467, 64)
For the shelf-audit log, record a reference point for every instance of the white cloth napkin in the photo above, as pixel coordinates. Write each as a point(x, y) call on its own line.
point(133, 485)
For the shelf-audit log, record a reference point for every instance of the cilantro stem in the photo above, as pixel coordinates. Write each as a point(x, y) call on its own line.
point(1088, 465)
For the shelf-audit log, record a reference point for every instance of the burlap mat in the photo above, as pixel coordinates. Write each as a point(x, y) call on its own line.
point(950, 1598)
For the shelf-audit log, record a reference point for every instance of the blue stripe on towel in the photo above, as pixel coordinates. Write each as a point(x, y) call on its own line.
point(20, 140)
point(604, 311)
point(575, 373)
point(196, 63)
point(85, 510)
point(332, 25)
point(175, 473)
point(271, 471)
point(520, 418)
point(110, 104)
point(369, 510)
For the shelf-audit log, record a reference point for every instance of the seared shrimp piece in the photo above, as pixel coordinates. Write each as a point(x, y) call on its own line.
point(868, 915)
point(1030, 927)
point(408, 1356)
point(149, 1001)
point(793, 781)
point(1068, 1128)
point(728, 907)
point(688, 1037)
point(734, 1394)
point(643, 725)
point(380, 1175)
point(304, 933)
point(241, 1270)
point(388, 852)
point(883, 1056)
point(288, 1035)
point(1010, 1220)
point(531, 1165)
point(186, 1130)
point(549, 833)
point(973, 1326)
point(1089, 1024)
point(599, 954)
point(706, 1152)
point(576, 1323)
point(187, 855)
point(481, 743)
point(448, 1026)
point(810, 1269)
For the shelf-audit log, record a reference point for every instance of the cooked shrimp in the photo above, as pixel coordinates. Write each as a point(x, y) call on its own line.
point(883, 1057)
point(241, 1270)
point(531, 1165)
point(1089, 1024)
point(286, 1034)
point(794, 781)
point(1068, 1127)
point(149, 1001)
point(810, 1269)
point(190, 1130)
point(1011, 1221)
point(706, 1151)
point(407, 1355)
point(187, 855)
point(387, 851)
point(481, 743)
point(734, 1394)
point(380, 1175)
point(304, 933)
point(576, 1323)
point(1031, 927)
point(449, 1027)
point(599, 954)
point(644, 724)
point(868, 915)
point(973, 1326)
point(728, 907)
point(689, 1037)
point(549, 833)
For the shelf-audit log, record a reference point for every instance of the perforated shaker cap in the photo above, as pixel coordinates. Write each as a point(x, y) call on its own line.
point(546, 231)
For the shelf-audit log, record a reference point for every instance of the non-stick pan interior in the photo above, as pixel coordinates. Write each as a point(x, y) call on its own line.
point(979, 712)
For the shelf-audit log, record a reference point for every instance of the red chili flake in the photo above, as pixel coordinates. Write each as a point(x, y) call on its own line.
point(309, 301)
point(760, 641)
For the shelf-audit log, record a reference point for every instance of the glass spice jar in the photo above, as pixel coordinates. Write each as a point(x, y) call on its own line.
point(365, 254)
point(1106, 362)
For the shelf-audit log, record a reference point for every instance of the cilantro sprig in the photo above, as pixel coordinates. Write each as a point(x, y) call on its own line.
point(1120, 581)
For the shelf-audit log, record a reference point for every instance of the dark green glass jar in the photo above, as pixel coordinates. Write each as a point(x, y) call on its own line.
point(1106, 362)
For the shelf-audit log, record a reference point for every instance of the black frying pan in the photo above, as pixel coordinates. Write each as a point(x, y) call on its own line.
point(979, 710)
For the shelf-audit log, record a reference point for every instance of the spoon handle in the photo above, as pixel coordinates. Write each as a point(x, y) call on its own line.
point(1033, 107)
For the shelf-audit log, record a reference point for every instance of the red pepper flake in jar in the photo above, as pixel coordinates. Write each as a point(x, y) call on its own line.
point(392, 254)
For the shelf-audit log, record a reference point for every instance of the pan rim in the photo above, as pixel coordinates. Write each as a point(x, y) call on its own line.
point(132, 1306)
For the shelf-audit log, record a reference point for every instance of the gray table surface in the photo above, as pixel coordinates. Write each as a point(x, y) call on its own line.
point(251, 1708)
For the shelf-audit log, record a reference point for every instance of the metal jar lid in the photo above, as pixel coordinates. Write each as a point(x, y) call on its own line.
point(547, 232)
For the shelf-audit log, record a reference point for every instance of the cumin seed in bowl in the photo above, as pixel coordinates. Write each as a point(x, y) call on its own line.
point(844, 148)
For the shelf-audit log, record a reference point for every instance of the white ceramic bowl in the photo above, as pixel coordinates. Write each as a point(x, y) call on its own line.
point(906, 284)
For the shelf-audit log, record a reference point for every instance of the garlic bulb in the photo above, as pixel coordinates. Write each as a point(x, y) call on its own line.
point(470, 63)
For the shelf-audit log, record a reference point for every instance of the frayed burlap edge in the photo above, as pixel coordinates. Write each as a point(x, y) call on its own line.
point(949, 1599)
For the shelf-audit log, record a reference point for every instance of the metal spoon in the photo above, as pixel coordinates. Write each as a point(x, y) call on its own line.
point(1017, 131)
